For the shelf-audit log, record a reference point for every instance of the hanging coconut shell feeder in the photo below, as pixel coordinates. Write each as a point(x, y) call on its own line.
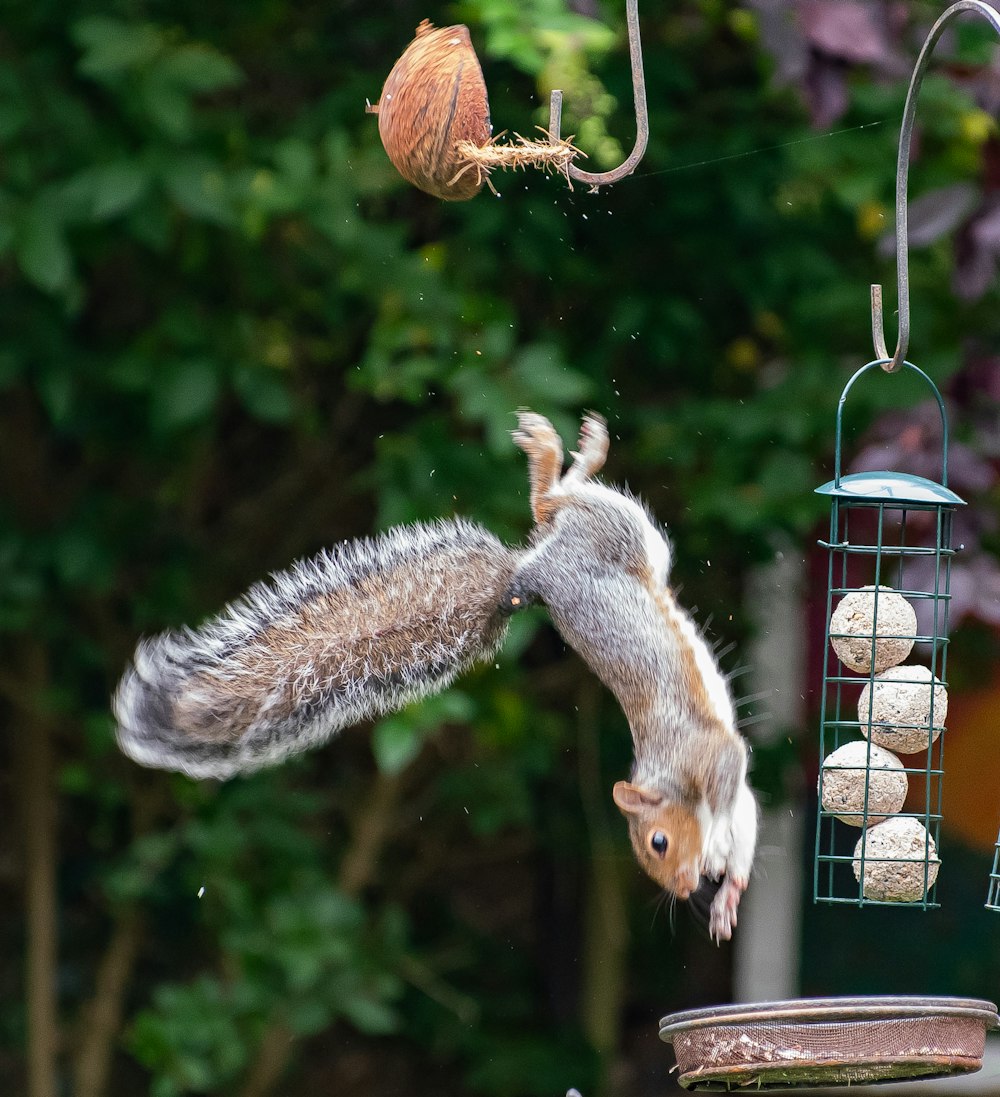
point(434, 119)
point(433, 103)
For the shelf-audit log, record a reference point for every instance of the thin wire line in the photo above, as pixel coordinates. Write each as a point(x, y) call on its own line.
point(756, 152)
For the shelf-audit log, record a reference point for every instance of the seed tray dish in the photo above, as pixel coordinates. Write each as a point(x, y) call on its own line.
point(827, 1041)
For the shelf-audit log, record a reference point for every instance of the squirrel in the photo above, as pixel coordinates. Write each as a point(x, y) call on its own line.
point(367, 627)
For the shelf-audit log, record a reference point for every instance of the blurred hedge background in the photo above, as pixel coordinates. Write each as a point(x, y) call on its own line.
point(232, 335)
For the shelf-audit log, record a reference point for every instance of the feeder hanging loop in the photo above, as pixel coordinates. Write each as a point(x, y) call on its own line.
point(892, 363)
point(603, 178)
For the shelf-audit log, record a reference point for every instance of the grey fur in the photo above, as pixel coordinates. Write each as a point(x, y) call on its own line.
point(372, 625)
point(298, 657)
point(601, 565)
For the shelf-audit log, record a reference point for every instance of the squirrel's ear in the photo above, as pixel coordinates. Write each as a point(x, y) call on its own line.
point(631, 799)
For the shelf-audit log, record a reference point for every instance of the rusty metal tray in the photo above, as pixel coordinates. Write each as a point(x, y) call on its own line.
point(827, 1041)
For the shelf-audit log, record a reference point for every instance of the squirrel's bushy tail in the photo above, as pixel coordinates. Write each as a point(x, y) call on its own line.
point(342, 637)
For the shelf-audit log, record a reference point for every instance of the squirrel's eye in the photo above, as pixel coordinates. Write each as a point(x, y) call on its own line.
point(659, 842)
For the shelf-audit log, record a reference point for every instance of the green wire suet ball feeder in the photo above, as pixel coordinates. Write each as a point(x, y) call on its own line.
point(884, 683)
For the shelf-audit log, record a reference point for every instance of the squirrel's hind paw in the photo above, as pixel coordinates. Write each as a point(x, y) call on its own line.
point(593, 448)
point(535, 434)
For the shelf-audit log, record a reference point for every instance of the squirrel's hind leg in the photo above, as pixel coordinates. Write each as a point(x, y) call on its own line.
point(592, 452)
point(536, 436)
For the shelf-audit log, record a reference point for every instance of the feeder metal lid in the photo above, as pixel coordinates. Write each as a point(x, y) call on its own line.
point(899, 487)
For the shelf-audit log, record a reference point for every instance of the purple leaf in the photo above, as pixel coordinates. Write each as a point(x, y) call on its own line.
point(826, 90)
point(968, 470)
point(844, 29)
point(975, 267)
point(977, 381)
point(985, 228)
point(933, 215)
point(975, 589)
point(910, 441)
point(782, 39)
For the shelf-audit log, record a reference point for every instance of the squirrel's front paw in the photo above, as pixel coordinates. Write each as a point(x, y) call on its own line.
point(714, 865)
point(722, 916)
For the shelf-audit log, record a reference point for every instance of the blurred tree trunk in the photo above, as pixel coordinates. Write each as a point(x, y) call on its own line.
point(33, 759)
point(605, 954)
point(357, 868)
point(605, 928)
point(101, 1019)
point(271, 1061)
point(768, 945)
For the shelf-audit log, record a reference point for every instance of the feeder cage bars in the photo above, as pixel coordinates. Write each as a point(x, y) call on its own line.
point(993, 895)
point(884, 682)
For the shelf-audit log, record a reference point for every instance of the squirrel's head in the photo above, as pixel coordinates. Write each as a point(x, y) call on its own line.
point(666, 837)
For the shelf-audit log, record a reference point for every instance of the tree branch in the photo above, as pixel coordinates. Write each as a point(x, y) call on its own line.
point(271, 1060)
point(360, 860)
point(33, 757)
point(357, 869)
point(101, 1017)
point(605, 943)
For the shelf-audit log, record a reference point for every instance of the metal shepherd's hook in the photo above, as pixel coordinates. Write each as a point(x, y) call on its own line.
point(600, 178)
point(894, 362)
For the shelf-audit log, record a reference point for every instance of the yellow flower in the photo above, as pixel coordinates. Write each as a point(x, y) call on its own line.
point(976, 126)
point(743, 354)
point(871, 220)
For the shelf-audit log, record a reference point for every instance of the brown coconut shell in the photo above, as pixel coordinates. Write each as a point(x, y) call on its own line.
point(433, 99)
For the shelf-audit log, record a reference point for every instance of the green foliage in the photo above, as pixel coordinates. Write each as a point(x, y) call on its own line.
point(397, 740)
point(193, 1040)
point(293, 948)
point(232, 335)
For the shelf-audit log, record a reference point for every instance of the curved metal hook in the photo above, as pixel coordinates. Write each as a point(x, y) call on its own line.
point(894, 362)
point(600, 178)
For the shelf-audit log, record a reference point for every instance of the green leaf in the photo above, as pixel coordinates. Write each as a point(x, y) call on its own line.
point(264, 394)
point(198, 68)
point(75, 779)
point(117, 188)
point(11, 367)
point(57, 390)
point(544, 377)
point(186, 393)
point(307, 1017)
point(8, 231)
point(41, 249)
point(397, 740)
point(198, 186)
point(370, 1016)
point(395, 743)
point(168, 106)
point(14, 112)
point(297, 161)
point(80, 559)
point(111, 47)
